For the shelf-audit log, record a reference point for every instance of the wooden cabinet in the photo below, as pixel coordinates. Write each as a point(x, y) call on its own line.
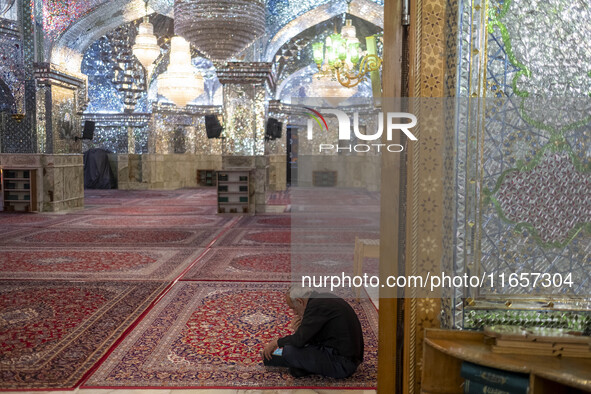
point(206, 178)
point(445, 350)
point(19, 191)
point(233, 191)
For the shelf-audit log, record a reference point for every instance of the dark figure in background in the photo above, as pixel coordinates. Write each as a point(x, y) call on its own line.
point(328, 339)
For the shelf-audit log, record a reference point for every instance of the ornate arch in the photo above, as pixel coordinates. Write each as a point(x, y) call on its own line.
point(68, 49)
point(364, 9)
point(302, 71)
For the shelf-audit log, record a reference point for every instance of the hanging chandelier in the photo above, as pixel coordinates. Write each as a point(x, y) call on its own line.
point(146, 47)
point(325, 86)
point(220, 28)
point(180, 83)
point(341, 55)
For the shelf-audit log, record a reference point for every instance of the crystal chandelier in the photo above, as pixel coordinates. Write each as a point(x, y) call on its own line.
point(340, 55)
point(180, 83)
point(325, 86)
point(220, 28)
point(146, 47)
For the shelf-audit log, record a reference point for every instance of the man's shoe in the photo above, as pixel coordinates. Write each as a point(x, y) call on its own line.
point(298, 372)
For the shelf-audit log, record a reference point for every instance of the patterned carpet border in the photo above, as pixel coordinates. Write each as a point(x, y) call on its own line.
point(53, 333)
point(366, 221)
point(209, 335)
point(112, 237)
point(118, 264)
point(149, 210)
point(201, 200)
point(174, 221)
point(20, 220)
point(280, 264)
point(277, 237)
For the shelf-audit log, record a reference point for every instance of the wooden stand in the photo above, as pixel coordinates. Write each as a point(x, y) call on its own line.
point(233, 191)
point(206, 178)
point(445, 350)
point(19, 190)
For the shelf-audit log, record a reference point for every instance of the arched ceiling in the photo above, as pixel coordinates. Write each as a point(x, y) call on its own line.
point(363, 9)
point(296, 53)
point(69, 47)
point(67, 50)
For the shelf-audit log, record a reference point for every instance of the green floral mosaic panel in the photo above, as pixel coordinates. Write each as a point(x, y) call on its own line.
point(526, 148)
point(478, 319)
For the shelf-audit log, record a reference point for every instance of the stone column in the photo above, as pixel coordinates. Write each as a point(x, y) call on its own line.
point(245, 117)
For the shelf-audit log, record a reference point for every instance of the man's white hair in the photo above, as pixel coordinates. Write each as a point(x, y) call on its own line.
point(298, 291)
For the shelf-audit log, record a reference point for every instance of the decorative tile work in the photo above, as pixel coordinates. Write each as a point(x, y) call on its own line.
point(11, 64)
point(547, 198)
point(572, 320)
point(517, 143)
point(426, 168)
point(281, 12)
point(244, 114)
point(189, 135)
point(59, 14)
point(65, 120)
point(15, 135)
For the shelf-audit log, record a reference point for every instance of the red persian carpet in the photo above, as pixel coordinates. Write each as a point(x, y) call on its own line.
point(52, 333)
point(240, 264)
point(285, 237)
point(113, 237)
point(128, 263)
point(20, 219)
point(317, 220)
point(154, 210)
point(210, 335)
point(174, 221)
point(280, 264)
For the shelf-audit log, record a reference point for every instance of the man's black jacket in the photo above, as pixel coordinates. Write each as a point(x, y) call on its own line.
point(329, 321)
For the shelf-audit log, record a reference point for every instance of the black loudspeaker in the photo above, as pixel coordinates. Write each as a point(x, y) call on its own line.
point(88, 131)
point(277, 131)
point(213, 128)
point(273, 130)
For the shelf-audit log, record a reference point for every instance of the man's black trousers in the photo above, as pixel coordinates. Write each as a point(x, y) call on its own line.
point(319, 360)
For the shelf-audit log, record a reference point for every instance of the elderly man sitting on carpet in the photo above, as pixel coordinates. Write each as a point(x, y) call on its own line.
point(328, 339)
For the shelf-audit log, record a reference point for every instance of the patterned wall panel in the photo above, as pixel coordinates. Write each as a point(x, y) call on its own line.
point(65, 120)
point(175, 131)
point(11, 63)
point(529, 153)
point(433, 65)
